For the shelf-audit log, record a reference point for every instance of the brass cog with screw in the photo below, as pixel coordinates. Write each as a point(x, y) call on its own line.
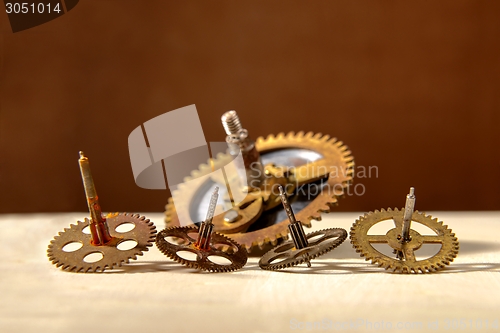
point(404, 260)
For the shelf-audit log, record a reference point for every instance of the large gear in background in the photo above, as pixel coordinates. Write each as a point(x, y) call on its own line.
point(143, 233)
point(362, 242)
point(305, 154)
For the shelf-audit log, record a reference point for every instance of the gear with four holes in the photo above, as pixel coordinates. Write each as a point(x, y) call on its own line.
point(173, 240)
point(206, 247)
point(301, 248)
point(329, 176)
point(143, 233)
point(404, 260)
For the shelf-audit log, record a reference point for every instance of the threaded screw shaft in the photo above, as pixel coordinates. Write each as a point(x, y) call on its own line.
point(231, 122)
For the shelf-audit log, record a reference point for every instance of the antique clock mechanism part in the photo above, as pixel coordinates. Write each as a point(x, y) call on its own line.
point(404, 240)
point(202, 248)
point(301, 248)
point(100, 242)
point(314, 169)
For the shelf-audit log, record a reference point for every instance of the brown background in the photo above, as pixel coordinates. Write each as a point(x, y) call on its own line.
point(412, 88)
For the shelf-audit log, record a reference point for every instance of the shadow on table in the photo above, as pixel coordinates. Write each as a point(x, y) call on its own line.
point(146, 267)
point(163, 266)
point(478, 247)
point(338, 268)
point(333, 264)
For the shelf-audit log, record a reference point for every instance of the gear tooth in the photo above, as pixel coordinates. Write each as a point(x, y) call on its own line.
point(325, 138)
point(203, 168)
point(389, 209)
point(317, 136)
point(382, 210)
point(348, 157)
point(308, 135)
point(290, 135)
point(307, 223)
point(316, 217)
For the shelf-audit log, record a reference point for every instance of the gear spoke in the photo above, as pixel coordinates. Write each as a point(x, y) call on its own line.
point(379, 239)
point(437, 239)
point(409, 254)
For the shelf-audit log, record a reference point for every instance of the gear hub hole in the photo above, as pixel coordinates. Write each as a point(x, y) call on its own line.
point(175, 240)
point(193, 236)
point(278, 259)
point(427, 251)
point(125, 245)
point(125, 227)
point(315, 238)
point(93, 257)
point(229, 248)
point(422, 229)
point(382, 227)
point(187, 255)
point(219, 260)
point(385, 249)
point(86, 230)
point(72, 247)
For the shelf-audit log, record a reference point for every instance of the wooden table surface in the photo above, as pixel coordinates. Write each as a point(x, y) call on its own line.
point(341, 292)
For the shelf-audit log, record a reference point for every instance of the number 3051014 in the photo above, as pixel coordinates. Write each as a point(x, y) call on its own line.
point(32, 8)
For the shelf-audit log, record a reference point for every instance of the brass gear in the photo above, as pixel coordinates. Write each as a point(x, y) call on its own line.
point(235, 253)
point(444, 236)
point(143, 233)
point(330, 239)
point(336, 157)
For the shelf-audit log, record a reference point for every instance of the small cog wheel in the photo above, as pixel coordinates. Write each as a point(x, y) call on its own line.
point(201, 248)
point(404, 260)
point(287, 255)
point(301, 248)
point(175, 240)
point(97, 258)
